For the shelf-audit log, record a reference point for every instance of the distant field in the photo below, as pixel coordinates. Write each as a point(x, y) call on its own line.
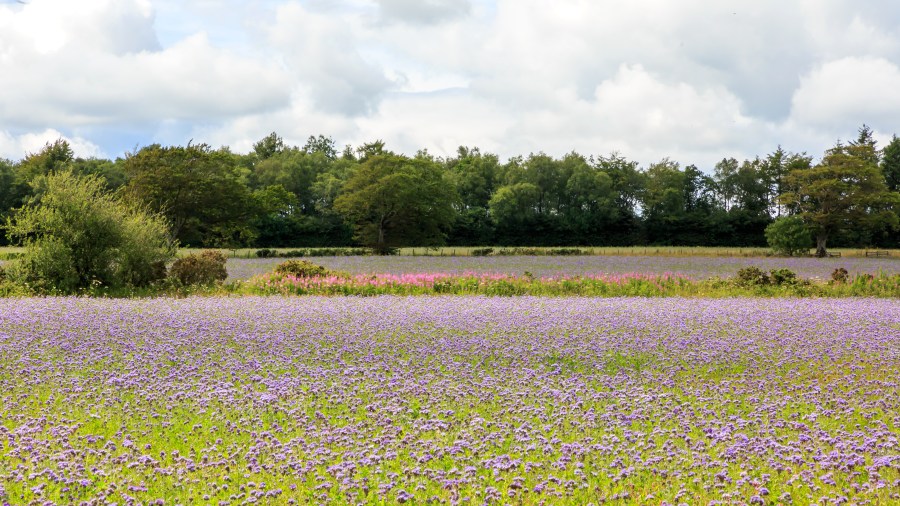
point(666, 251)
point(695, 267)
point(676, 251)
point(449, 400)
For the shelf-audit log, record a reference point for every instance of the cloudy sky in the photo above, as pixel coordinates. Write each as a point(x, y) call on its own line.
point(693, 80)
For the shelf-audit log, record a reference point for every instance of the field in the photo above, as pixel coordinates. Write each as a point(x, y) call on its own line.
point(449, 400)
point(668, 251)
point(697, 268)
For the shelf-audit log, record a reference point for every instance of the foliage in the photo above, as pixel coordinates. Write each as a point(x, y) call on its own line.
point(392, 201)
point(756, 277)
point(845, 190)
point(313, 252)
point(204, 268)
point(890, 164)
point(77, 236)
point(783, 276)
point(303, 269)
point(748, 282)
point(751, 276)
point(280, 196)
point(198, 190)
point(789, 236)
point(840, 275)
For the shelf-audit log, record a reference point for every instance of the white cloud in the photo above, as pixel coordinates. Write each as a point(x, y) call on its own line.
point(323, 54)
point(111, 26)
point(694, 80)
point(16, 146)
point(64, 66)
point(426, 12)
point(849, 91)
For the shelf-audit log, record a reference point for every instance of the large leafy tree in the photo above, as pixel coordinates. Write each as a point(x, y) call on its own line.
point(474, 175)
point(53, 157)
point(845, 190)
point(9, 196)
point(628, 185)
point(890, 164)
point(590, 201)
point(199, 190)
point(890, 168)
point(393, 201)
point(515, 206)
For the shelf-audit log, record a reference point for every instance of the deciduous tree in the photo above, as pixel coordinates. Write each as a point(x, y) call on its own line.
point(846, 189)
point(393, 201)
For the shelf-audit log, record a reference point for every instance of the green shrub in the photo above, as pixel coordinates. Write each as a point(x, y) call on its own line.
point(520, 251)
point(481, 252)
point(789, 236)
point(565, 251)
point(77, 237)
point(840, 275)
point(783, 276)
point(266, 253)
point(302, 269)
point(751, 276)
point(204, 268)
point(10, 289)
point(339, 252)
point(326, 252)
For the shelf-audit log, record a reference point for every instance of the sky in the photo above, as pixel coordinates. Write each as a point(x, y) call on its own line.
point(692, 80)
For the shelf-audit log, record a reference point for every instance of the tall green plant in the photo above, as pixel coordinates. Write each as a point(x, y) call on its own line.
point(79, 236)
point(789, 236)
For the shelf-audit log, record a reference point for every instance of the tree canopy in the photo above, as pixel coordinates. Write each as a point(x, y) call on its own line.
point(392, 200)
point(845, 190)
point(283, 195)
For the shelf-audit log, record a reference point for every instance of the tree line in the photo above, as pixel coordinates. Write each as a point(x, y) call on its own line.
point(316, 195)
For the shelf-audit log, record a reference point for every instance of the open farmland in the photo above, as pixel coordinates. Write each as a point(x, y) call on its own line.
point(451, 399)
point(697, 267)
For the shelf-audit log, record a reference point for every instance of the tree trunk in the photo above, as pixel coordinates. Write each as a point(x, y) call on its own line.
point(380, 247)
point(820, 245)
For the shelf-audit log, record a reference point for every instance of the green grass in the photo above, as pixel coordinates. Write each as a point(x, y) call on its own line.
point(9, 252)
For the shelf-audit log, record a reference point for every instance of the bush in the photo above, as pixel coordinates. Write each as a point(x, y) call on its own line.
point(324, 252)
point(789, 236)
point(77, 236)
point(840, 275)
point(565, 251)
point(482, 252)
point(783, 277)
point(204, 268)
point(339, 252)
point(302, 269)
point(266, 253)
point(752, 276)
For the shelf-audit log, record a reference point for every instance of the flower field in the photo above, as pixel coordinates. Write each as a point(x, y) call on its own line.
point(697, 268)
point(456, 400)
point(631, 284)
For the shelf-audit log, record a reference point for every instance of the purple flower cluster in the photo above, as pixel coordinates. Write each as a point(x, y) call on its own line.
point(449, 400)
